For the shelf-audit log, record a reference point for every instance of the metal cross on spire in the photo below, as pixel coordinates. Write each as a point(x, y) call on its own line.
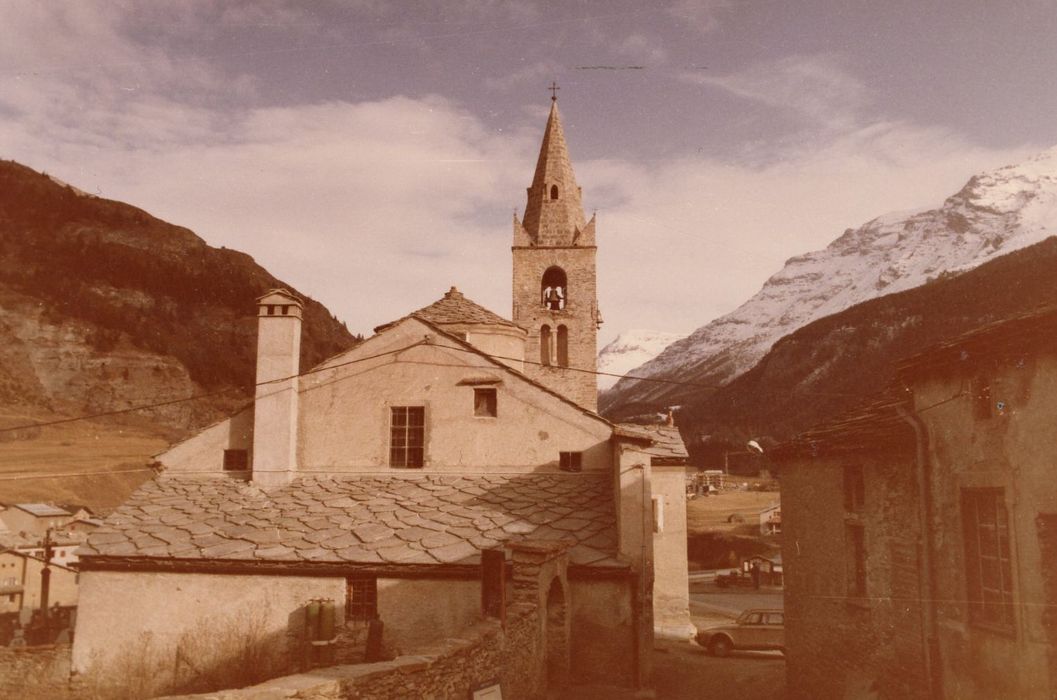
point(554, 91)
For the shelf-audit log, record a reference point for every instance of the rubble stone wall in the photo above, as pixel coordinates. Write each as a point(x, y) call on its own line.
point(839, 644)
point(483, 654)
point(34, 672)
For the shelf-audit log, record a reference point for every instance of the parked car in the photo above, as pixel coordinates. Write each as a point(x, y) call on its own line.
point(754, 629)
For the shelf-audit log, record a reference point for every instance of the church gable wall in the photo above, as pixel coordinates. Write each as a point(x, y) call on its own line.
point(346, 413)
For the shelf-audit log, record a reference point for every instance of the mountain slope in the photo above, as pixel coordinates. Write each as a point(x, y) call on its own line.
point(631, 349)
point(835, 363)
point(995, 213)
point(103, 306)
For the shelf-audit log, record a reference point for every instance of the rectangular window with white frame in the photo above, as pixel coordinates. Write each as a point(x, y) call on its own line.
point(407, 436)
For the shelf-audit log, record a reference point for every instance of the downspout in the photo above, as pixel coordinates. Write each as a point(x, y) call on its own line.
point(930, 626)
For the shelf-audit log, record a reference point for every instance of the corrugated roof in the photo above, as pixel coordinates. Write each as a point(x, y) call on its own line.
point(417, 519)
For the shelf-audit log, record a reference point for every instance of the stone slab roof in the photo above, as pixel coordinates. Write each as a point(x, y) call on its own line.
point(667, 447)
point(420, 519)
point(454, 308)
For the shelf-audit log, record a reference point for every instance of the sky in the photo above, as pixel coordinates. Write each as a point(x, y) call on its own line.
point(371, 153)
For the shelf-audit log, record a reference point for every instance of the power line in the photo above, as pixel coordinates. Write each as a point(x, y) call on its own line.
point(60, 475)
point(328, 367)
point(321, 368)
point(196, 397)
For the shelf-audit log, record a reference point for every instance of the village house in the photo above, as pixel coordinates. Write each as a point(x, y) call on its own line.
point(771, 519)
point(379, 479)
point(920, 532)
point(34, 519)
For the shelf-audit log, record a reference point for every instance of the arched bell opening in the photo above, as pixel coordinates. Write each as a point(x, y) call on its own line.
point(554, 288)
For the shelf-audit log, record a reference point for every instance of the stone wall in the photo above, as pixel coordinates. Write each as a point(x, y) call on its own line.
point(485, 653)
point(839, 644)
point(525, 652)
point(578, 317)
point(34, 672)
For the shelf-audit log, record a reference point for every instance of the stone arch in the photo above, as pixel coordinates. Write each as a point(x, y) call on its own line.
point(554, 191)
point(557, 635)
point(563, 346)
point(545, 345)
point(554, 288)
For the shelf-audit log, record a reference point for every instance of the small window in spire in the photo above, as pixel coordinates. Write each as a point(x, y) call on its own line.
point(563, 346)
point(554, 191)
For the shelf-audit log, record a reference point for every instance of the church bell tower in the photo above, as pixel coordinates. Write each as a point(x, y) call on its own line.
point(555, 296)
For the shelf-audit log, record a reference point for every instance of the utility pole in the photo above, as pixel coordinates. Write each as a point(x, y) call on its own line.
point(45, 580)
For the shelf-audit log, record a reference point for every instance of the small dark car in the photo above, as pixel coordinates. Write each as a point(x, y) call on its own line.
point(754, 629)
point(735, 579)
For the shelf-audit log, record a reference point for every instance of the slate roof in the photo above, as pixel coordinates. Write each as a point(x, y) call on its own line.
point(667, 447)
point(454, 308)
point(391, 520)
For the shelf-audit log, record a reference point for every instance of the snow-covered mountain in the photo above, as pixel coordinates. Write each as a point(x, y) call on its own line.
point(631, 349)
point(994, 213)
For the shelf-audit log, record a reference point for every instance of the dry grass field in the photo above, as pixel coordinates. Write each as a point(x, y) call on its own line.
point(96, 463)
point(710, 513)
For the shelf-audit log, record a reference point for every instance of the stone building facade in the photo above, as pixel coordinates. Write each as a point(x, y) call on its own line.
point(377, 479)
point(919, 533)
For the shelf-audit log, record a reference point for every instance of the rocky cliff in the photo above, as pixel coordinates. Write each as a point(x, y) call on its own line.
point(103, 306)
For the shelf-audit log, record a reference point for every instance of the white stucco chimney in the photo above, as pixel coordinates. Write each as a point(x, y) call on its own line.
point(275, 404)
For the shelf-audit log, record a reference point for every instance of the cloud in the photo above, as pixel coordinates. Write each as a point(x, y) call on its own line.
point(643, 50)
point(377, 206)
point(816, 87)
point(703, 15)
point(684, 241)
point(534, 74)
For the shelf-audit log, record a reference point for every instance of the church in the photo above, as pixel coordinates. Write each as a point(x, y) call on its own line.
point(380, 478)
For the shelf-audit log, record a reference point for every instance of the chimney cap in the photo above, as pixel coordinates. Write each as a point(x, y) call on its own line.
point(279, 296)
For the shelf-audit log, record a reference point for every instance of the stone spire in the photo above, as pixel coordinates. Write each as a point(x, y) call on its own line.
point(554, 213)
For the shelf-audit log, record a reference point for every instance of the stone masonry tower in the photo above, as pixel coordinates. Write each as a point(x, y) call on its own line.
point(554, 276)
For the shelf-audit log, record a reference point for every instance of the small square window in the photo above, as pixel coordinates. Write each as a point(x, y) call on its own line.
point(236, 460)
point(361, 599)
point(570, 461)
point(485, 402)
